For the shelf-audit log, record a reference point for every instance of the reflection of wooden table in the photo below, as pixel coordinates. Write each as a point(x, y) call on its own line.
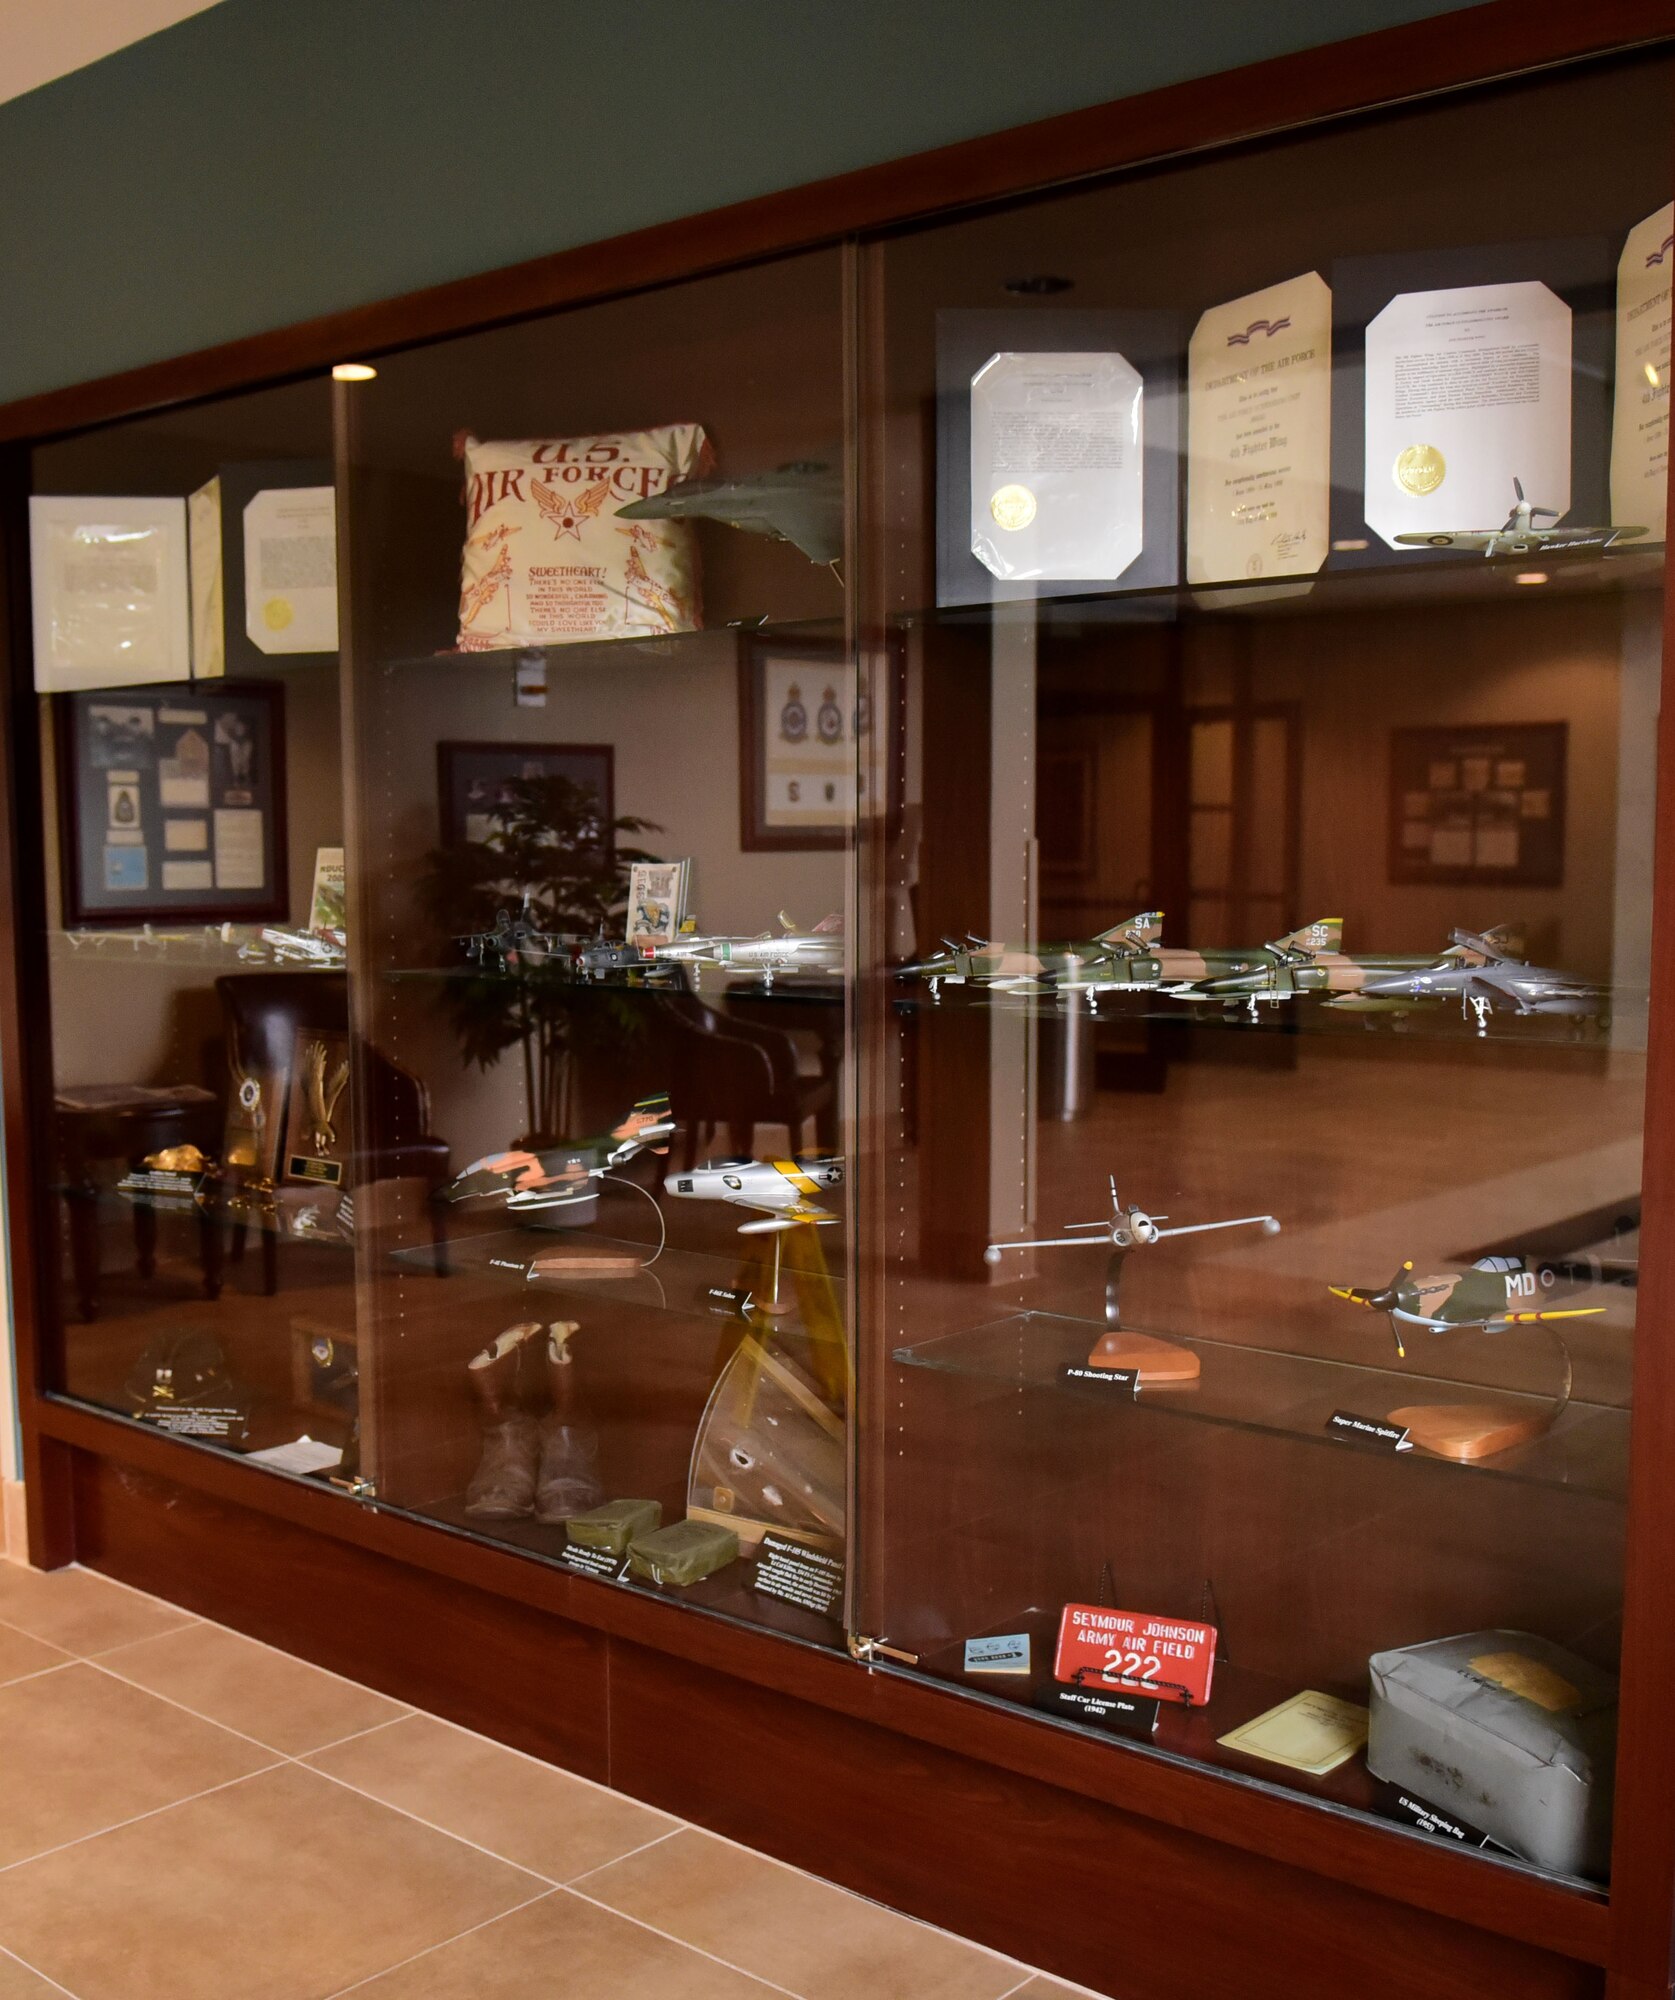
point(124, 1122)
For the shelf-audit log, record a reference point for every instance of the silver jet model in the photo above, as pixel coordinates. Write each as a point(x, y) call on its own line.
point(792, 950)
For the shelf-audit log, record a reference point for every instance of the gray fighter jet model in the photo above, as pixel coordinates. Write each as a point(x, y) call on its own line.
point(800, 503)
point(513, 941)
point(818, 950)
point(1518, 535)
point(1481, 972)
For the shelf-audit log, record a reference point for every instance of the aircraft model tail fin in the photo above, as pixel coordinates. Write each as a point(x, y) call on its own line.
point(1324, 934)
point(829, 924)
point(1140, 931)
point(1493, 945)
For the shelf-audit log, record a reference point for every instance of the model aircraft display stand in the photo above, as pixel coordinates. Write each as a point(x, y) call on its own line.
point(1469, 1432)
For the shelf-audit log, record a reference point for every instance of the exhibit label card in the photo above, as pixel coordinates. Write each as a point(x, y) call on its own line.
point(1057, 466)
point(108, 578)
point(1467, 390)
point(1640, 425)
point(1259, 444)
point(290, 570)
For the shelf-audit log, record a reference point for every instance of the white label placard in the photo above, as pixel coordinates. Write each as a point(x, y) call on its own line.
point(1640, 423)
point(290, 570)
point(108, 579)
point(1057, 466)
point(1259, 442)
point(1467, 390)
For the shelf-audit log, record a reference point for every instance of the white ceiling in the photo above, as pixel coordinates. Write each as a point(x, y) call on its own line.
point(41, 39)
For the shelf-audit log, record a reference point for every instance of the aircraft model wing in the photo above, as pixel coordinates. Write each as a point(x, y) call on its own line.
point(1270, 1226)
point(779, 1218)
point(1476, 539)
point(1521, 1319)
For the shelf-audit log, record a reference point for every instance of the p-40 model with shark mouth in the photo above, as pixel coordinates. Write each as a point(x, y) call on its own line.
point(567, 1178)
point(1518, 535)
point(792, 950)
point(1480, 970)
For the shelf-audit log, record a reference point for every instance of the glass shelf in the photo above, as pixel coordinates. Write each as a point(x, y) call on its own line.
point(652, 648)
point(1284, 1395)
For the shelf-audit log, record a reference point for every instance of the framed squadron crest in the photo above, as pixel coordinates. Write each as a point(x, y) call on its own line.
point(819, 744)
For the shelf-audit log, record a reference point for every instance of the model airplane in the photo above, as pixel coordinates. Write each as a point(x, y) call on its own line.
point(1518, 535)
point(800, 503)
point(1128, 1228)
point(1480, 971)
point(1303, 961)
point(514, 941)
point(1483, 1297)
point(818, 950)
point(322, 947)
point(1127, 958)
point(565, 1178)
point(779, 1189)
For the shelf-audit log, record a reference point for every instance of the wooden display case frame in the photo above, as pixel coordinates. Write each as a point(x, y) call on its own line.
point(1099, 1865)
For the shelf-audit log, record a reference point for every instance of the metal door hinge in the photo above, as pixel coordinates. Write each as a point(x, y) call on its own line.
point(356, 1487)
point(867, 1650)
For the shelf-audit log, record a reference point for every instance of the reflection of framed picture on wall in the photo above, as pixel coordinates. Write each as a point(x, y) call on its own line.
point(810, 748)
point(472, 778)
point(1478, 805)
point(171, 804)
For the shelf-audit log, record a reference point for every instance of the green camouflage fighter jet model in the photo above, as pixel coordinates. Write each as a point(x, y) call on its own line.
point(1482, 1298)
point(1125, 959)
point(800, 503)
point(1303, 961)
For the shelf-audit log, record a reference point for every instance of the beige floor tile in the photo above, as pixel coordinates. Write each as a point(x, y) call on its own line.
point(538, 1817)
point(81, 1751)
point(1043, 1988)
point(281, 1701)
point(817, 1940)
point(280, 1888)
point(17, 1982)
point(563, 1946)
point(80, 1611)
point(20, 1654)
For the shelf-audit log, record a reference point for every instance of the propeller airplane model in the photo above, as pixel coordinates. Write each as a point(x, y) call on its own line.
point(1483, 1297)
point(779, 1190)
point(1518, 535)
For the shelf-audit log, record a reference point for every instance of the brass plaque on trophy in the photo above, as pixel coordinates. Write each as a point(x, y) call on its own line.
point(317, 1115)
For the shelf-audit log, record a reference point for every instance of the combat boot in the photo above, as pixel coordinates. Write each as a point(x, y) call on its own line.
point(569, 1477)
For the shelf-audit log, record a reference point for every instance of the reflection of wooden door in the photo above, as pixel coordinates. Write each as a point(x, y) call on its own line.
point(1093, 807)
point(1244, 806)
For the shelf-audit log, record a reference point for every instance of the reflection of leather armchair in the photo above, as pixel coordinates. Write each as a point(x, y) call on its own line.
point(726, 1071)
point(391, 1139)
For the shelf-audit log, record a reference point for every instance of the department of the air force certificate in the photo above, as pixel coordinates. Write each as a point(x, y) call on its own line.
point(1467, 390)
point(1640, 426)
point(290, 570)
point(1259, 418)
point(1057, 466)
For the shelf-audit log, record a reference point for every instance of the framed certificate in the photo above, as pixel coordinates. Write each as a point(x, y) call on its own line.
point(109, 585)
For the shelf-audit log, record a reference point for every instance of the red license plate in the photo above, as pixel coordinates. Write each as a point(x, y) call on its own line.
point(1166, 1659)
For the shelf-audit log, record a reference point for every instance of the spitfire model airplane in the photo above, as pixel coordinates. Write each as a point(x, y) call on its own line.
point(800, 503)
point(1480, 971)
point(565, 1179)
point(780, 1190)
point(1518, 535)
point(1484, 1297)
point(1128, 1228)
point(818, 950)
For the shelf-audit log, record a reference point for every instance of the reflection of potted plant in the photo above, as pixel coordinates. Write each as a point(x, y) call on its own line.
point(553, 857)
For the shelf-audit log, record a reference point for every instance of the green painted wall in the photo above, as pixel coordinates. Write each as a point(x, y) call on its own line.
point(274, 159)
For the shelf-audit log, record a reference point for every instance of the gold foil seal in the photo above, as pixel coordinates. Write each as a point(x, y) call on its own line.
point(1420, 469)
point(277, 614)
point(1013, 507)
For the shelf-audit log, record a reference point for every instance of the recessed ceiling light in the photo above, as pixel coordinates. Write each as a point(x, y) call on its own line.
point(1530, 576)
point(353, 371)
point(1348, 547)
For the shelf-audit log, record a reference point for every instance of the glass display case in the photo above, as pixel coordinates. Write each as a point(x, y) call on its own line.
point(942, 944)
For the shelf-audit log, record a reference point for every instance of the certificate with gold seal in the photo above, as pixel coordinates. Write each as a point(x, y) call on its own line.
point(1468, 389)
point(1259, 420)
point(1057, 466)
point(290, 570)
point(1640, 424)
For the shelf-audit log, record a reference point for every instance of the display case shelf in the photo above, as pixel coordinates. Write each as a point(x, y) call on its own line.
point(1284, 1395)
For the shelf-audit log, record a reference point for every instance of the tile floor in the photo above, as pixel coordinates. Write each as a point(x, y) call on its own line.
point(187, 1815)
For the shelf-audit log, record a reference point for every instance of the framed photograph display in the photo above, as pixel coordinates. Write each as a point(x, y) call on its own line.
point(172, 805)
point(471, 778)
point(1478, 805)
point(803, 760)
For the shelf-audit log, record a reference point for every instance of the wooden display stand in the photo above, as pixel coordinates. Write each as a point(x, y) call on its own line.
point(1467, 1432)
point(1154, 1362)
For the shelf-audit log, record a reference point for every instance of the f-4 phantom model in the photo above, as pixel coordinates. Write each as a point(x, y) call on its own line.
point(1303, 961)
point(565, 1178)
point(1518, 535)
point(800, 503)
point(1127, 958)
point(1480, 971)
point(1127, 1228)
point(1484, 1297)
point(780, 1190)
point(818, 950)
